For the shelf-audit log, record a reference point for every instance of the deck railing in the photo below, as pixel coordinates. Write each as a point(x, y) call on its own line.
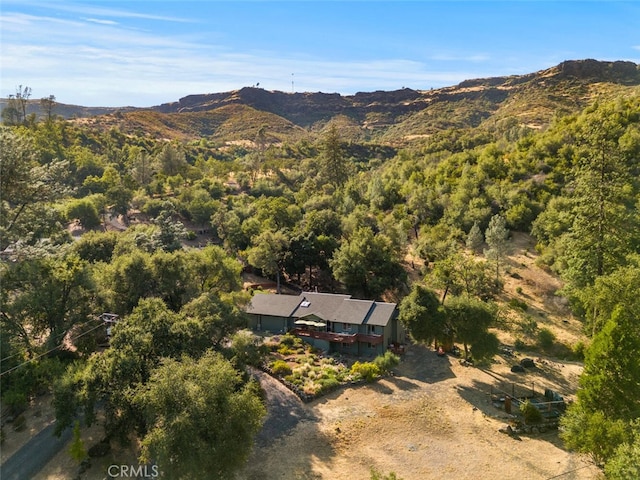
point(339, 337)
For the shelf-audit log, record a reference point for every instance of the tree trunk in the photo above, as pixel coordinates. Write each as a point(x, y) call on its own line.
point(444, 295)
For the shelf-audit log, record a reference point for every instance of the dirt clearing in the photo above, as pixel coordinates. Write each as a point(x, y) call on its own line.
point(433, 419)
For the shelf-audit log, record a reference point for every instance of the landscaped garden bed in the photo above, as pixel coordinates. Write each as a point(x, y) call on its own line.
point(310, 373)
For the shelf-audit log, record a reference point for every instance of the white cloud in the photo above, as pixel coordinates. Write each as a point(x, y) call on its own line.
point(100, 21)
point(84, 10)
point(97, 62)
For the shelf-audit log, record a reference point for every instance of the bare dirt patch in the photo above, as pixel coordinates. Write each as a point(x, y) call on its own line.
point(39, 415)
point(434, 418)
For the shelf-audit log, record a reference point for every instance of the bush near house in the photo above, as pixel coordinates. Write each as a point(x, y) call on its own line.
point(305, 369)
point(368, 371)
point(387, 361)
point(281, 368)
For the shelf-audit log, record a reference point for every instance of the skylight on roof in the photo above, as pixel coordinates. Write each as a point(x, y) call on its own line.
point(305, 303)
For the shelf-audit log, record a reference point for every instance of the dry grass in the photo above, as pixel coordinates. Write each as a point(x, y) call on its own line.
point(434, 418)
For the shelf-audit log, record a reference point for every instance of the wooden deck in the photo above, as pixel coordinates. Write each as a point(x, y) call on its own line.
point(339, 337)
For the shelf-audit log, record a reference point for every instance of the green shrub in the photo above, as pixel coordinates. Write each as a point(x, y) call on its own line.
point(625, 463)
point(377, 475)
point(387, 361)
point(295, 378)
point(368, 371)
point(546, 338)
point(290, 340)
point(153, 207)
point(529, 325)
point(327, 385)
point(518, 304)
point(285, 350)
point(579, 349)
point(15, 400)
point(530, 412)
point(281, 368)
point(77, 450)
point(327, 373)
point(519, 344)
point(84, 211)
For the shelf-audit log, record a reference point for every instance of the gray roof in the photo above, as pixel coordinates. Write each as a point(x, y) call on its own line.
point(274, 305)
point(381, 313)
point(353, 311)
point(326, 306)
point(322, 305)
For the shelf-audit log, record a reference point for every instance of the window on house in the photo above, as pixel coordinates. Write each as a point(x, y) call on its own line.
point(369, 345)
point(345, 345)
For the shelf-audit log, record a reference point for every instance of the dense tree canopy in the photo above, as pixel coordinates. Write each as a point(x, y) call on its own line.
point(327, 210)
point(421, 314)
point(201, 418)
point(367, 265)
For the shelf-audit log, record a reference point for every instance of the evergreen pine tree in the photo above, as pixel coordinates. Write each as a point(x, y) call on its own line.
point(496, 236)
point(475, 238)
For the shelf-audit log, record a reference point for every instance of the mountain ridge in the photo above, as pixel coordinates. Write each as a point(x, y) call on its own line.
point(394, 117)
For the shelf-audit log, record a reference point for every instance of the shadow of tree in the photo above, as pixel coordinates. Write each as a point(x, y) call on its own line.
point(483, 396)
point(402, 384)
point(421, 363)
point(286, 414)
point(284, 409)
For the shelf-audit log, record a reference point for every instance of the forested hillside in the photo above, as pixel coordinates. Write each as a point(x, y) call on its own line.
point(404, 196)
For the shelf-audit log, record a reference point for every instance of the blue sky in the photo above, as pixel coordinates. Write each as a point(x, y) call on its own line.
point(143, 53)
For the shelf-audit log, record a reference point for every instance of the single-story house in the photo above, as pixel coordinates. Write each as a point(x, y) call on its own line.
point(330, 322)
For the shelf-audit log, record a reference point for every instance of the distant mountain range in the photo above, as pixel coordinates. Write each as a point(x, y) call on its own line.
point(387, 117)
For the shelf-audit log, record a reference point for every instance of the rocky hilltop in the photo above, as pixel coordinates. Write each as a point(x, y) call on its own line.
point(304, 109)
point(387, 117)
point(386, 107)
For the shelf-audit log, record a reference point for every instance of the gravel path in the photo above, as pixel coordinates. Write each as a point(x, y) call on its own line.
point(284, 409)
point(32, 457)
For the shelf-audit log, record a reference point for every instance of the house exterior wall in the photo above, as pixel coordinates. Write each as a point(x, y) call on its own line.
point(268, 323)
point(368, 350)
point(401, 332)
point(348, 349)
point(388, 333)
point(318, 343)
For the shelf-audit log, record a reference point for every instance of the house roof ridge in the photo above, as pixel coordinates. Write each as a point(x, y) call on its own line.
point(328, 294)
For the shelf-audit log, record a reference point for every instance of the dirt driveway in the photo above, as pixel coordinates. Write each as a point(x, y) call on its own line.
point(433, 419)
